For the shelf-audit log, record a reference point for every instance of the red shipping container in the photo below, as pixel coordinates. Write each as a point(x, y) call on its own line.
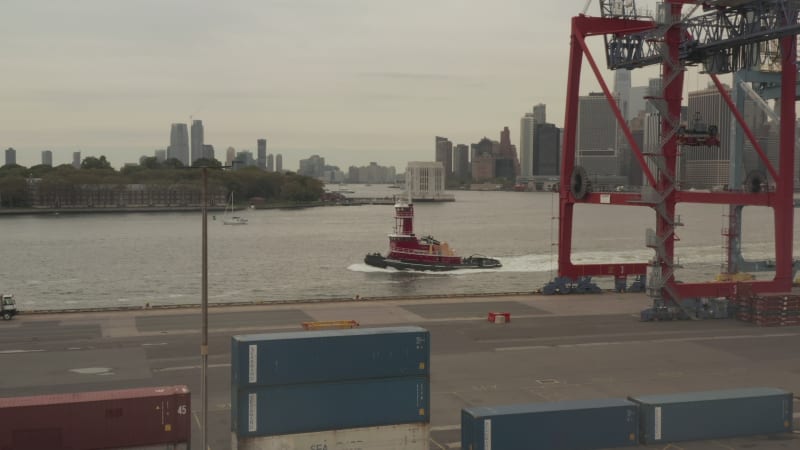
point(97, 420)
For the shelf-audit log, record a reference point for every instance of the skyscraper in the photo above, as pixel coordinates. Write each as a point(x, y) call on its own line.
point(197, 141)
point(546, 155)
point(230, 155)
point(76, 160)
point(208, 151)
point(527, 128)
point(179, 143)
point(540, 113)
point(597, 136)
point(622, 90)
point(262, 154)
point(655, 92)
point(705, 167)
point(444, 154)
point(279, 163)
point(461, 161)
point(270, 163)
point(47, 158)
point(11, 156)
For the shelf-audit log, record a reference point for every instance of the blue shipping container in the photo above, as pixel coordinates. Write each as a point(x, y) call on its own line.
point(301, 408)
point(331, 355)
point(568, 425)
point(714, 414)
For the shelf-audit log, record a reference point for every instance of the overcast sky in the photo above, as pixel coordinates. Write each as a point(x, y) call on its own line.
point(351, 80)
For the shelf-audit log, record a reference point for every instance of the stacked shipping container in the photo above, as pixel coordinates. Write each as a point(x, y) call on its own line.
point(157, 418)
point(334, 388)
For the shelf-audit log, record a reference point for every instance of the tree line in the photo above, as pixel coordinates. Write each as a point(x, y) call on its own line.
point(97, 183)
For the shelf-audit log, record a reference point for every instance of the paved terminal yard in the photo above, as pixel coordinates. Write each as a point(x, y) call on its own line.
point(554, 348)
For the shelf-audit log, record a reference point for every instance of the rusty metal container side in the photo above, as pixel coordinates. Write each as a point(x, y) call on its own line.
point(410, 436)
point(568, 425)
point(714, 414)
point(97, 420)
point(329, 355)
point(303, 408)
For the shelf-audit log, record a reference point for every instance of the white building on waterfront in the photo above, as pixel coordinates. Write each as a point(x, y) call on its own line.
point(425, 182)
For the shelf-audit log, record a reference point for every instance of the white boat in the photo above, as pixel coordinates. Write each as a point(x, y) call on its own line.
point(231, 219)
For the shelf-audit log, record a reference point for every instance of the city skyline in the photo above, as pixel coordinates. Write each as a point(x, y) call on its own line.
point(90, 77)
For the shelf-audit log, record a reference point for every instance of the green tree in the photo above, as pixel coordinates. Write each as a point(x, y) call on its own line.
point(90, 162)
point(13, 191)
point(207, 162)
point(150, 162)
point(173, 163)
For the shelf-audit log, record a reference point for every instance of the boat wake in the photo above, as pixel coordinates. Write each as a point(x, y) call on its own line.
point(539, 263)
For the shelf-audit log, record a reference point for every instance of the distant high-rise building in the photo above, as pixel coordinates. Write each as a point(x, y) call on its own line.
point(243, 159)
point(313, 166)
point(179, 143)
point(506, 159)
point(540, 113)
point(208, 151)
point(197, 140)
point(262, 154)
point(461, 161)
point(705, 167)
point(11, 156)
point(527, 129)
point(444, 154)
point(230, 155)
point(270, 163)
point(482, 162)
point(655, 92)
point(597, 136)
point(373, 173)
point(76, 160)
point(638, 103)
point(622, 90)
point(161, 155)
point(47, 158)
point(546, 155)
point(279, 163)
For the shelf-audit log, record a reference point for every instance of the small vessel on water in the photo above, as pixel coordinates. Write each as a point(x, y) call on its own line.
point(232, 220)
point(407, 251)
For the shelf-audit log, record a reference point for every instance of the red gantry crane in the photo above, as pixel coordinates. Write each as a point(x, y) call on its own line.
point(723, 36)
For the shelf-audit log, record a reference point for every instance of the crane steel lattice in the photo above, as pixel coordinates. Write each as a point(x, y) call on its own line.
point(729, 35)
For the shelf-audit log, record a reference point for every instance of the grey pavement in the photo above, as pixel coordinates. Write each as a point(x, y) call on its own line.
point(554, 348)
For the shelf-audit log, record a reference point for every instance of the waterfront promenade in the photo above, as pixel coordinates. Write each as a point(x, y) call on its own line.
point(554, 348)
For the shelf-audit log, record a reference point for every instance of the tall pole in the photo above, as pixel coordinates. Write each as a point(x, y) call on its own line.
point(204, 295)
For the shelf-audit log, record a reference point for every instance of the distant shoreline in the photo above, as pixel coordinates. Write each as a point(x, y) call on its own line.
point(145, 209)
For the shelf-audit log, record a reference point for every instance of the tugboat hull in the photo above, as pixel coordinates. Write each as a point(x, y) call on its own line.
point(472, 262)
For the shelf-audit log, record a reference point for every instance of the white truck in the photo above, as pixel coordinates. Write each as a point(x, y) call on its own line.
point(8, 307)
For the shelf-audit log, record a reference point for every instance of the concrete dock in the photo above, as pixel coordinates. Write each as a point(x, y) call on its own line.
point(554, 348)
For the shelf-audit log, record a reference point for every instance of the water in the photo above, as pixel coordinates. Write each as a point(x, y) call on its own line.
point(86, 261)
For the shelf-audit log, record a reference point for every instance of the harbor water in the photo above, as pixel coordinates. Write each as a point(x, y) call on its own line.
point(68, 261)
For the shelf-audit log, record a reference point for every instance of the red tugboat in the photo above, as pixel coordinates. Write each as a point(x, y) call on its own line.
point(407, 251)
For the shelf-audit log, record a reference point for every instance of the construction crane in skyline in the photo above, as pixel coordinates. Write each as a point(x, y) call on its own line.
point(721, 37)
